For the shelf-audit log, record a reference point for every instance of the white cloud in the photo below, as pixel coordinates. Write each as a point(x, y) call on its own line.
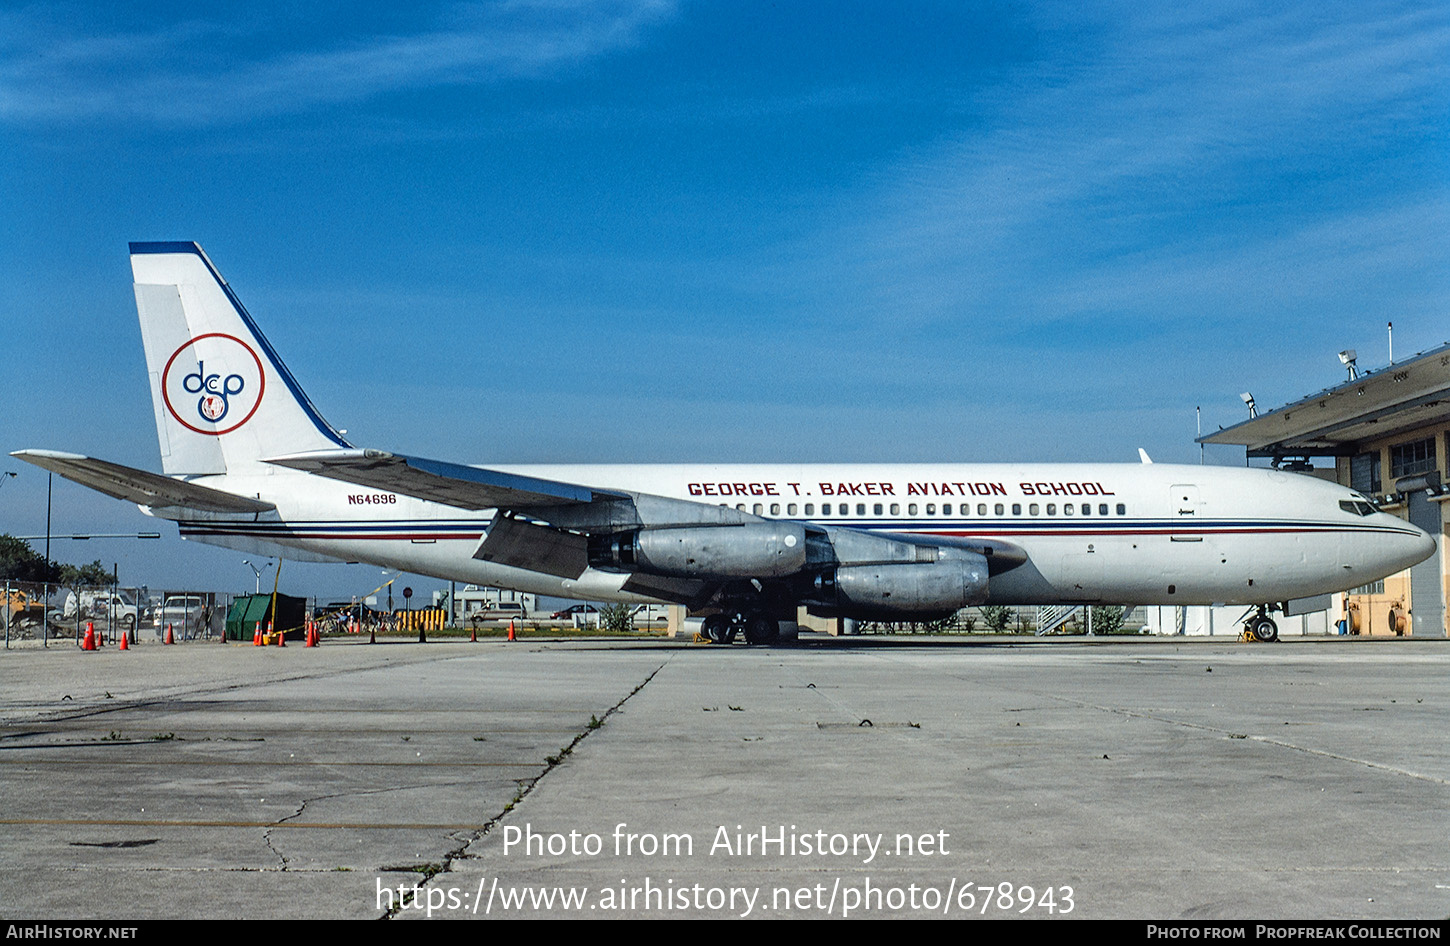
point(194, 72)
point(1161, 154)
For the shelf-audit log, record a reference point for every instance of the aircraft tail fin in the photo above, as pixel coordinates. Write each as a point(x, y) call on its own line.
point(223, 398)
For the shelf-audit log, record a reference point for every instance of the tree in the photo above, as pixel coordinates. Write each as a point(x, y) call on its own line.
point(996, 616)
point(617, 618)
point(1108, 619)
point(93, 574)
point(20, 562)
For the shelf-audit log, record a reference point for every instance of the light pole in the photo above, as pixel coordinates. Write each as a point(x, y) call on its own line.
point(257, 572)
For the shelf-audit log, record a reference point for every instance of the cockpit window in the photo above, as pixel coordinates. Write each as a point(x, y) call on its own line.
point(1357, 508)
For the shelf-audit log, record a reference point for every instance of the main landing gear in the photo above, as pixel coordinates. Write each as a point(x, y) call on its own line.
point(1262, 627)
point(757, 627)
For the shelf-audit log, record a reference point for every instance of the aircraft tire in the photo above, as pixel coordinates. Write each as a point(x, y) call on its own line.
point(761, 630)
point(1265, 630)
point(717, 629)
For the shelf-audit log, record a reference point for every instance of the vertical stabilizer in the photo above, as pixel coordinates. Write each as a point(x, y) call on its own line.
point(223, 399)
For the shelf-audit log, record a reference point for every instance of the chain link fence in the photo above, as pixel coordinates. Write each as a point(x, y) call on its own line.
point(37, 611)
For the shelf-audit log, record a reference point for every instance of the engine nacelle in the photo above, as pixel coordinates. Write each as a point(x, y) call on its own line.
point(752, 550)
point(902, 589)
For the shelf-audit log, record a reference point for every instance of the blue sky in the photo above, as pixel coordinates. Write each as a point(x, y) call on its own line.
point(643, 230)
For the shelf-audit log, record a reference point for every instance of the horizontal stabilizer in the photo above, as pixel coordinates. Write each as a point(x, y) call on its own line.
point(453, 484)
point(139, 486)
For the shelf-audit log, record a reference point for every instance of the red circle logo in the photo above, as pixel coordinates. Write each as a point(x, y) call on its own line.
point(216, 381)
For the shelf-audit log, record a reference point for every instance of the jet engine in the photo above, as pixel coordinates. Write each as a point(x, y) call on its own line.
point(901, 590)
point(751, 550)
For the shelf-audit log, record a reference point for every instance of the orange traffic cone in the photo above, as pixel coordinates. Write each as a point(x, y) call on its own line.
point(311, 640)
point(281, 635)
point(123, 643)
point(473, 636)
point(511, 630)
point(90, 642)
point(257, 635)
point(170, 638)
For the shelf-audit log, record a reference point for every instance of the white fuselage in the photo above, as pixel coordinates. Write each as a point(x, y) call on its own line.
point(1116, 533)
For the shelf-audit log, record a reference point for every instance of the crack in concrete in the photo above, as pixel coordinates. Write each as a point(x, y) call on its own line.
point(1225, 732)
point(181, 693)
point(1266, 740)
point(526, 786)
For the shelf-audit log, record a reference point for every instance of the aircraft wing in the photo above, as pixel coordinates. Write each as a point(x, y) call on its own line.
point(453, 484)
point(139, 486)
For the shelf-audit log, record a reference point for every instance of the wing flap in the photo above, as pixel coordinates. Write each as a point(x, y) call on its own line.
point(520, 544)
point(453, 484)
point(139, 486)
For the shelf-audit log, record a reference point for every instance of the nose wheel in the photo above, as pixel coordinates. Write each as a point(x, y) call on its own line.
point(1262, 627)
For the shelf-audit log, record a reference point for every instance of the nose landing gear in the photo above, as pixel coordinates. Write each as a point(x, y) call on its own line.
point(1261, 627)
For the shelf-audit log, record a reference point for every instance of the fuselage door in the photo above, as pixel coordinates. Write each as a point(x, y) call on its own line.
point(1184, 501)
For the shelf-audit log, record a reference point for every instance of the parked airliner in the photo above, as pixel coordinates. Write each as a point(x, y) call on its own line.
point(250, 464)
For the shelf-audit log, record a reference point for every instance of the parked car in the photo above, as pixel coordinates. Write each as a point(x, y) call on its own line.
point(651, 614)
point(102, 606)
point(187, 614)
point(578, 609)
point(499, 611)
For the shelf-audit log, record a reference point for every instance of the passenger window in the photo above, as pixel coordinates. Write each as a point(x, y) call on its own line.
point(860, 509)
point(1032, 509)
point(1067, 509)
point(1102, 509)
point(1052, 509)
point(810, 509)
point(759, 509)
point(1016, 509)
point(946, 509)
point(931, 509)
point(790, 510)
point(998, 509)
point(1122, 510)
point(876, 509)
point(896, 509)
point(740, 506)
point(981, 509)
point(775, 509)
point(911, 509)
point(1087, 509)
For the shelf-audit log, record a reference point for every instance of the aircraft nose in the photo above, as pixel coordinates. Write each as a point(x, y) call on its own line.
point(1412, 547)
point(1423, 546)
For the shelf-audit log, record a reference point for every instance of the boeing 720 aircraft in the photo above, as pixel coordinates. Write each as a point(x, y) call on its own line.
point(250, 464)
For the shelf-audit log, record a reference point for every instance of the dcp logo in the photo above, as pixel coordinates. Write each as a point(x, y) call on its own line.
point(213, 384)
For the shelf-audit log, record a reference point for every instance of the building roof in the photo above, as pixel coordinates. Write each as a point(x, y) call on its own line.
point(1339, 420)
